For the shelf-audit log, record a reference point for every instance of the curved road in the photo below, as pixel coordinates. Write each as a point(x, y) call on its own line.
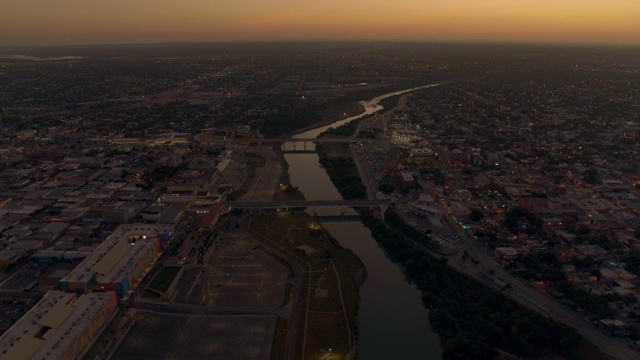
point(295, 302)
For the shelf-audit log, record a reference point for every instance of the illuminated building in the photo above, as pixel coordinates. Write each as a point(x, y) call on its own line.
point(121, 261)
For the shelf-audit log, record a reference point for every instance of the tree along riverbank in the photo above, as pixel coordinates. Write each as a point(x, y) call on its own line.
point(303, 115)
point(472, 320)
point(340, 166)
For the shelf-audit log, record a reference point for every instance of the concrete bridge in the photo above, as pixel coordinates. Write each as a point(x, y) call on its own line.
point(313, 140)
point(337, 218)
point(303, 145)
point(304, 203)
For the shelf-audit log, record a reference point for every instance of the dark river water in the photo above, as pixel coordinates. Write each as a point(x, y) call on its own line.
point(393, 322)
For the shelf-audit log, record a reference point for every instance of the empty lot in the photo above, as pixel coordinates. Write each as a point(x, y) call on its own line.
point(164, 336)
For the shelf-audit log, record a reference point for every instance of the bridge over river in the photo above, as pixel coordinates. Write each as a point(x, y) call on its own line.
point(313, 140)
point(304, 203)
point(303, 145)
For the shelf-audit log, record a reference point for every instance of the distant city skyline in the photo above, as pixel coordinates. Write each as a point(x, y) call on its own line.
point(72, 22)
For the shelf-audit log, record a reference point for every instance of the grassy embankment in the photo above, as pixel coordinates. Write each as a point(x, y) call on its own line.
point(161, 282)
point(336, 159)
point(164, 278)
point(329, 323)
point(278, 347)
point(390, 102)
point(285, 191)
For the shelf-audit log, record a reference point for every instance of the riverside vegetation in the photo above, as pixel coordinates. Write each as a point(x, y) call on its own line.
point(472, 320)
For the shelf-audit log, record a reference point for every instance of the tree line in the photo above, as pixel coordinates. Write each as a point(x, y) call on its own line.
point(472, 320)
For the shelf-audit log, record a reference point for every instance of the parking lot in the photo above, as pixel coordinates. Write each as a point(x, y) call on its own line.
point(238, 273)
point(157, 336)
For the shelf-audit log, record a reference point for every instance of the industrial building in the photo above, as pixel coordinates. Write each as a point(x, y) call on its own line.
point(60, 326)
point(121, 261)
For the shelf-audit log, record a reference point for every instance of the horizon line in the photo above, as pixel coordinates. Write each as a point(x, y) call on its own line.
point(344, 41)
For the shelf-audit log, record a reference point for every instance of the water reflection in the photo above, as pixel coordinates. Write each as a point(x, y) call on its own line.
point(393, 322)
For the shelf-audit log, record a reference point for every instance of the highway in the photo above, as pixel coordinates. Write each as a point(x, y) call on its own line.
point(522, 292)
point(265, 182)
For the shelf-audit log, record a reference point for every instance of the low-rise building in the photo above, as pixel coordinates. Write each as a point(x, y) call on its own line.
point(121, 261)
point(505, 253)
point(60, 326)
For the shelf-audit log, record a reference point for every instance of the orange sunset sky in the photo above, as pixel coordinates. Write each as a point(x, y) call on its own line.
point(58, 22)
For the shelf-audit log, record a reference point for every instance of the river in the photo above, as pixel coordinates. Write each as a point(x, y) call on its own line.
point(370, 107)
point(393, 322)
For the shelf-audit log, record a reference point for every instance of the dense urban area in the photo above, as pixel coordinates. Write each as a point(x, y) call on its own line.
point(146, 208)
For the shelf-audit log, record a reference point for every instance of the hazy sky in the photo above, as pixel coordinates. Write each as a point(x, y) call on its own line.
point(54, 22)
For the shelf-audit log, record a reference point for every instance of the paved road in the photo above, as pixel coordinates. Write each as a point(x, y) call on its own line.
point(524, 294)
point(265, 182)
point(190, 309)
point(295, 304)
point(370, 183)
point(535, 299)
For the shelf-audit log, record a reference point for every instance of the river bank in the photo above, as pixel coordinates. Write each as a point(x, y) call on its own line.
point(370, 107)
point(324, 309)
point(460, 305)
point(393, 323)
point(332, 115)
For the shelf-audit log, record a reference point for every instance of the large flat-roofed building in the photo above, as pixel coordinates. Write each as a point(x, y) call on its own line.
point(120, 262)
point(60, 326)
point(197, 183)
point(424, 211)
point(122, 268)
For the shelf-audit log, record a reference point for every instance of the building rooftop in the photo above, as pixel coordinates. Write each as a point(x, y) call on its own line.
point(125, 264)
point(50, 327)
point(109, 256)
point(19, 341)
